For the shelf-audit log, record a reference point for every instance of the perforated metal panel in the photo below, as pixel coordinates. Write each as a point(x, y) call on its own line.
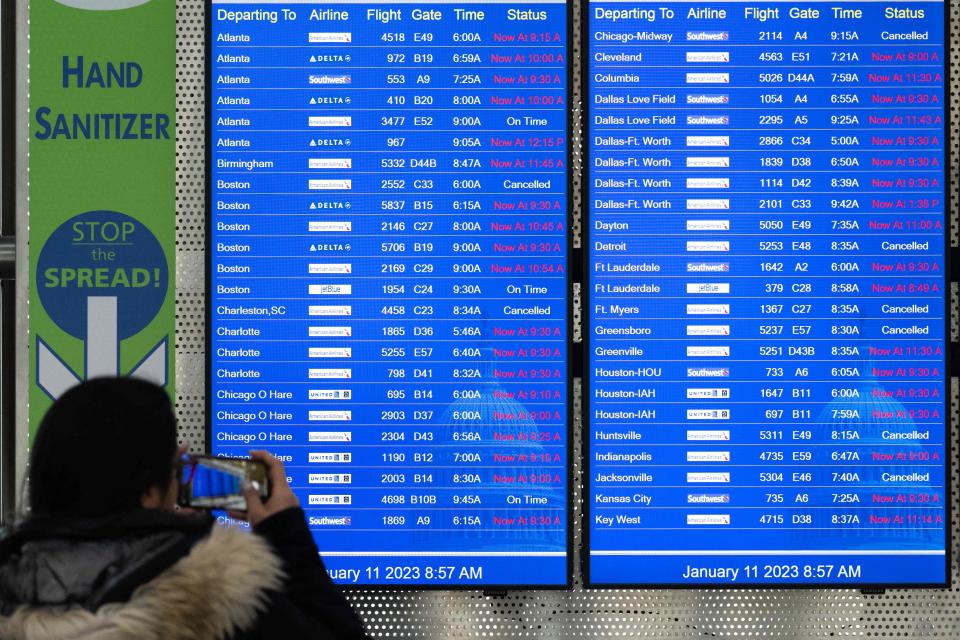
point(579, 613)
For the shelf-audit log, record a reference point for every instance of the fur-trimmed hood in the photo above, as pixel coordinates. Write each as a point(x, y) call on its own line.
point(218, 589)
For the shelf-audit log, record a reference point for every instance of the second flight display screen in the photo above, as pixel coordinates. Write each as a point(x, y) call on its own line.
point(766, 277)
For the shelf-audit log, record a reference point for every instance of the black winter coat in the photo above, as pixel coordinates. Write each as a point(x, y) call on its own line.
point(151, 575)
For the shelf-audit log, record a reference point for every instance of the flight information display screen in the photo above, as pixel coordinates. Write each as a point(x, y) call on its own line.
point(766, 371)
point(388, 282)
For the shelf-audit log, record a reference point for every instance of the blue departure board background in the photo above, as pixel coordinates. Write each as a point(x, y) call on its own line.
point(766, 382)
point(388, 278)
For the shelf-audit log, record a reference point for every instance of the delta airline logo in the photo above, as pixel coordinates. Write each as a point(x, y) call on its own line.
point(102, 5)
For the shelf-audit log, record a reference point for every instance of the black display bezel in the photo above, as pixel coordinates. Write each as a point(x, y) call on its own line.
point(571, 347)
point(950, 352)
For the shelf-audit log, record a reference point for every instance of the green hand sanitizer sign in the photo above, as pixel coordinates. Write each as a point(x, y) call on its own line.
point(102, 193)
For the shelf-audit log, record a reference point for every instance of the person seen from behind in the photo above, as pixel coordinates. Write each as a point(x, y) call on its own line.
point(104, 554)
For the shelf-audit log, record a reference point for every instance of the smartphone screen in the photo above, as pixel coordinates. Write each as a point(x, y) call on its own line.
point(217, 483)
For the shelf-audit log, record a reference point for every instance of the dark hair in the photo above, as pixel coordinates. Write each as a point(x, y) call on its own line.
point(100, 447)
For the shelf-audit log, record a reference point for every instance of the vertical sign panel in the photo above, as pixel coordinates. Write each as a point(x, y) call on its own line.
point(388, 282)
point(102, 200)
point(766, 391)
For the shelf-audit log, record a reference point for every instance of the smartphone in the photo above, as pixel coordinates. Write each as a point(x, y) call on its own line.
point(206, 482)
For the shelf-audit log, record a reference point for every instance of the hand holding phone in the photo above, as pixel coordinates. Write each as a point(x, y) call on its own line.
point(206, 482)
point(281, 495)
